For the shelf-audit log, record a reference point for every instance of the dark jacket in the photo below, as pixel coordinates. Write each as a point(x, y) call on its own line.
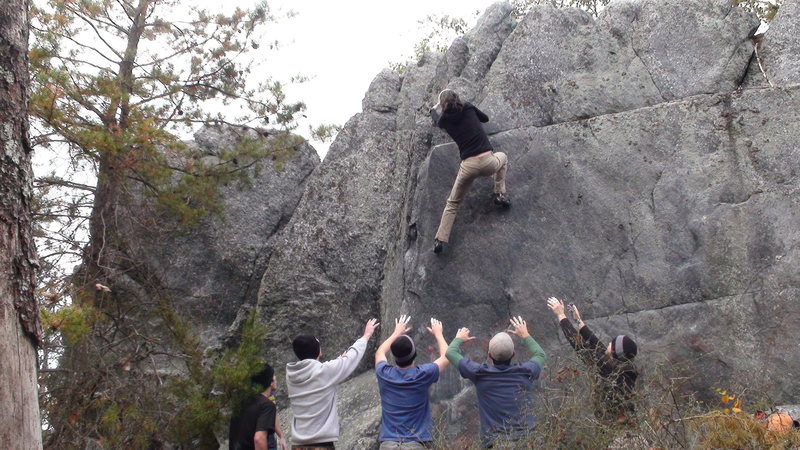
point(464, 126)
point(616, 378)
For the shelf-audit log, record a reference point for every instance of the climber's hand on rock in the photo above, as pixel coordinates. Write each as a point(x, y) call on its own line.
point(369, 328)
point(557, 306)
point(401, 325)
point(436, 327)
point(519, 327)
point(463, 334)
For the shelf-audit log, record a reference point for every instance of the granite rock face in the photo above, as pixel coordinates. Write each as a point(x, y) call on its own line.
point(560, 65)
point(648, 186)
point(326, 274)
point(211, 270)
point(673, 223)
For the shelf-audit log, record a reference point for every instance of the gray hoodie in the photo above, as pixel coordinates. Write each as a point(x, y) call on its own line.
point(312, 394)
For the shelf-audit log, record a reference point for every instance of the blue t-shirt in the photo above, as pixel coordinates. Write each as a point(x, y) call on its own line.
point(505, 401)
point(405, 410)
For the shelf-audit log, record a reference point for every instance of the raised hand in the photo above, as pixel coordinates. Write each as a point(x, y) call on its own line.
point(519, 327)
point(401, 325)
point(463, 334)
point(436, 327)
point(369, 328)
point(576, 315)
point(557, 306)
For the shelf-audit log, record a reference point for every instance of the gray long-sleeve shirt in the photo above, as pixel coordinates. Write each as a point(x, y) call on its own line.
point(312, 394)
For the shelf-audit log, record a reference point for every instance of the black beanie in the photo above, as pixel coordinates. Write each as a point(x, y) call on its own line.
point(623, 347)
point(264, 377)
point(403, 350)
point(306, 347)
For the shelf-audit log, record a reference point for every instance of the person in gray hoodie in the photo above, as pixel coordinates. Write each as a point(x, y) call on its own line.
point(312, 384)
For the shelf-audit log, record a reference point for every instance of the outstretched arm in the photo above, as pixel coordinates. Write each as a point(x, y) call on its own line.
point(400, 327)
point(557, 306)
point(589, 339)
point(436, 330)
point(582, 341)
point(338, 369)
point(520, 328)
point(454, 350)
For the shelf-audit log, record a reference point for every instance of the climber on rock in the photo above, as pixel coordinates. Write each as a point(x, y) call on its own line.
point(312, 384)
point(406, 421)
point(462, 121)
point(613, 397)
point(505, 402)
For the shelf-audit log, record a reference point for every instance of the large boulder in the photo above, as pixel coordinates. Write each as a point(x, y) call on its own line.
point(648, 187)
point(210, 270)
point(323, 277)
point(673, 223)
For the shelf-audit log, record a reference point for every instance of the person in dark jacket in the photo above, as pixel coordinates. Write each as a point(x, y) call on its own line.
point(462, 121)
point(255, 425)
point(614, 363)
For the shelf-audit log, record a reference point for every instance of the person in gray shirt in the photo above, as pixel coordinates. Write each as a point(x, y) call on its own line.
point(312, 384)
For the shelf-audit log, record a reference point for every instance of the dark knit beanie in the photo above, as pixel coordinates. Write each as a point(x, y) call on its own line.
point(623, 347)
point(264, 377)
point(306, 347)
point(403, 350)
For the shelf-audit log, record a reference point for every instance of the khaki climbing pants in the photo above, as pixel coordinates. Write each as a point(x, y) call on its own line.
point(487, 164)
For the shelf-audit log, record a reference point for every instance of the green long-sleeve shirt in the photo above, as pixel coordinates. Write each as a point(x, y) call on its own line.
point(454, 351)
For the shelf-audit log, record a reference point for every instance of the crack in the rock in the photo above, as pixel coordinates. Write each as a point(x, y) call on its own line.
point(645, 107)
point(741, 202)
point(681, 305)
point(653, 192)
point(636, 53)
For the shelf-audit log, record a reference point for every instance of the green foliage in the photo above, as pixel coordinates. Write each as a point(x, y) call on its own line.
point(764, 9)
point(73, 322)
point(324, 133)
point(521, 7)
point(118, 83)
point(211, 395)
point(438, 33)
point(439, 28)
point(125, 398)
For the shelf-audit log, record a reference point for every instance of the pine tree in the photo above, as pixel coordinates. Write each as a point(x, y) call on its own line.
point(117, 85)
point(19, 323)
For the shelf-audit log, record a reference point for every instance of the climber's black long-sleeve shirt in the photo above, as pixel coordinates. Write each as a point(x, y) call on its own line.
point(464, 126)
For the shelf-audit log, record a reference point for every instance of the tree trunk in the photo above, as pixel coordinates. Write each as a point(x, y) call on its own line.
point(104, 240)
point(20, 426)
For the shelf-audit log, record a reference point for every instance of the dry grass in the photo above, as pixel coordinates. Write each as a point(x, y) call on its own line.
point(666, 417)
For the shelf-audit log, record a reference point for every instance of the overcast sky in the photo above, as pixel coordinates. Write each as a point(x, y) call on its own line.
point(343, 44)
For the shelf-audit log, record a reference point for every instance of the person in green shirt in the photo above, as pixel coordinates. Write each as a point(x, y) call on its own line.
point(505, 402)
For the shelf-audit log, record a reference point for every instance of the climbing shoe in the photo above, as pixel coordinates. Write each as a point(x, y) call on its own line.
point(437, 246)
point(502, 200)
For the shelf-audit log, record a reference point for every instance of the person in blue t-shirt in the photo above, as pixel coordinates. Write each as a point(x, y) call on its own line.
point(406, 414)
point(504, 389)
